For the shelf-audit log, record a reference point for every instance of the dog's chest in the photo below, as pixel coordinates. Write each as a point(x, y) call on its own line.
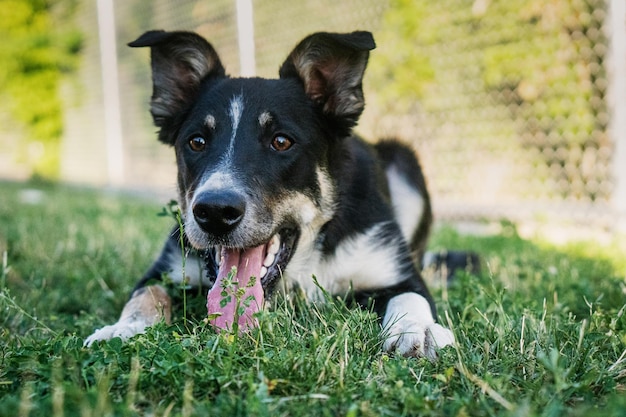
point(358, 263)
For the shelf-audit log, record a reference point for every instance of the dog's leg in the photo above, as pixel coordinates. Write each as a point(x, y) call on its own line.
point(150, 302)
point(147, 306)
point(399, 296)
point(410, 328)
point(408, 319)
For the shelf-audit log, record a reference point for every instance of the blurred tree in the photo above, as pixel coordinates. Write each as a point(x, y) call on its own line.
point(39, 45)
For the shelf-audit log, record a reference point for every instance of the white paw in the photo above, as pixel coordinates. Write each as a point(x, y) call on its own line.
point(122, 329)
point(411, 330)
point(412, 338)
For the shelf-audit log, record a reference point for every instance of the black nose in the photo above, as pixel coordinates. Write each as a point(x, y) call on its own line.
point(218, 212)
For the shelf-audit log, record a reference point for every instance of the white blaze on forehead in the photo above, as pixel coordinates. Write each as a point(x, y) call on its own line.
point(235, 111)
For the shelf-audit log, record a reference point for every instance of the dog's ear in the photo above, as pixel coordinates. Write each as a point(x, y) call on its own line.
point(331, 67)
point(180, 61)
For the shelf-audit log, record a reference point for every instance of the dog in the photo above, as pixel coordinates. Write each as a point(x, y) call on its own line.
point(275, 189)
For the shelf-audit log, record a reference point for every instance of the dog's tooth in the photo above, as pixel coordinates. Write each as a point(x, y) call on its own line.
point(218, 255)
point(269, 259)
point(263, 271)
point(274, 245)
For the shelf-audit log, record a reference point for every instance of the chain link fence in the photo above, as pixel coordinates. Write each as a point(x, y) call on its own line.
point(512, 120)
point(505, 101)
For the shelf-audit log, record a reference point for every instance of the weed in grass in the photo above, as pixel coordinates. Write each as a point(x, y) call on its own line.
point(11, 307)
point(172, 210)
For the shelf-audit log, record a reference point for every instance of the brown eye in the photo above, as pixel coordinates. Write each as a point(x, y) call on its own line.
point(281, 143)
point(197, 144)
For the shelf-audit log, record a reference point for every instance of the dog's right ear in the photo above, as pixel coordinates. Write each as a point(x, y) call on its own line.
point(180, 61)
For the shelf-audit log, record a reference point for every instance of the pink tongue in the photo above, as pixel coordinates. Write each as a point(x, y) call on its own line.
point(222, 297)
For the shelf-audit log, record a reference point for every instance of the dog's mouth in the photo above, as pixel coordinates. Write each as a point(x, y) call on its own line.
point(246, 277)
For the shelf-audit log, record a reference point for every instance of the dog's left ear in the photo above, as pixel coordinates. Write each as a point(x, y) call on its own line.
point(331, 67)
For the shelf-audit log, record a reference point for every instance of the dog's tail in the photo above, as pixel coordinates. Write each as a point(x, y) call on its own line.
point(411, 204)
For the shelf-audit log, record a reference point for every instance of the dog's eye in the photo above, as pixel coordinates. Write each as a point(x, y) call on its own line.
point(197, 144)
point(281, 143)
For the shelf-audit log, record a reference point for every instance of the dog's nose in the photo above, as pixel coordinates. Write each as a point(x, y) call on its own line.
point(218, 212)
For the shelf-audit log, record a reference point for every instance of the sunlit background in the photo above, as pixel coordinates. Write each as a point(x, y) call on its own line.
point(516, 107)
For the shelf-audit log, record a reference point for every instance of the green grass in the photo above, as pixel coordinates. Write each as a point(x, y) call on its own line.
point(541, 331)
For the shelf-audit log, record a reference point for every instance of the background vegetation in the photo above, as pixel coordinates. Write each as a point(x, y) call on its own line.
point(529, 70)
point(522, 75)
point(541, 331)
point(39, 46)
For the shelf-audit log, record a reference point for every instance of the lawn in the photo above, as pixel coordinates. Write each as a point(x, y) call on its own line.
point(541, 330)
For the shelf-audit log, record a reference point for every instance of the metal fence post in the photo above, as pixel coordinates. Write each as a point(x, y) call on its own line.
point(111, 93)
point(245, 33)
point(616, 101)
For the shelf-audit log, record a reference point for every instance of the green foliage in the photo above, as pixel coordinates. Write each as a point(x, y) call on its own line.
point(540, 331)
point(545, 55)
point(400, 65)
point(540, 63)
point(552, 76)
point(39, 46)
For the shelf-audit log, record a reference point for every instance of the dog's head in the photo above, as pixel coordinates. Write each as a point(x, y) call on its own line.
point(254, 155)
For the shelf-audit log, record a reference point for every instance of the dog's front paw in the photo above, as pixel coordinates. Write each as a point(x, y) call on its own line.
point(412, 338)
point(411, 330)
point(122, 329)
point(146, 307)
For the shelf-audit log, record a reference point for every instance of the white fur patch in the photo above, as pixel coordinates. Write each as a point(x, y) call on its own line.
point(359, 263)
point(408, 204)
point(217, 180)
point(209, 121)
point(363, 263)
point(192, 269)
point(124, 329)
point(411, 329)
point(234, 112)
point(265, 118)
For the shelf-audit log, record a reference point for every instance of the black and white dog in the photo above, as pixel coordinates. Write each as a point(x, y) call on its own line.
point(276, 189)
